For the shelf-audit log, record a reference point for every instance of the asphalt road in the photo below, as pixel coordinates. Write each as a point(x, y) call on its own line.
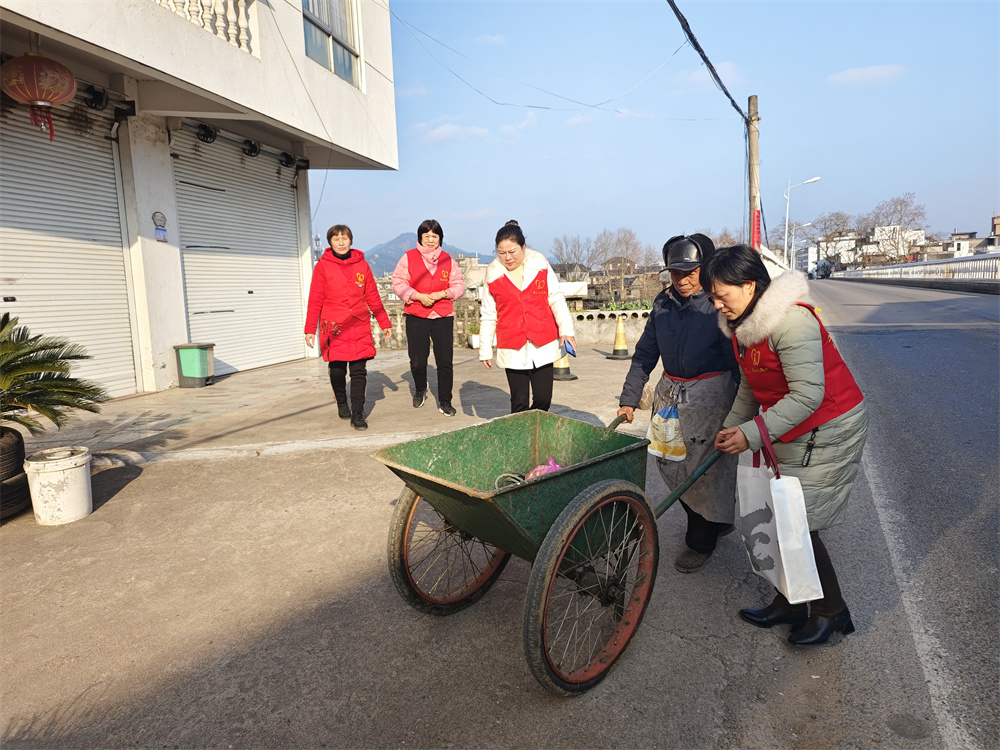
point(222, 596)
point(928, 364)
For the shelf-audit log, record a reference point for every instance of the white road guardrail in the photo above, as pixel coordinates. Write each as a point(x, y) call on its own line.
point(979, 267)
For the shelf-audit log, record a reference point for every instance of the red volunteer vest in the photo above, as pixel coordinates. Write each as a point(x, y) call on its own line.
point(523, 316)
point(763, 372)
point(423, 282)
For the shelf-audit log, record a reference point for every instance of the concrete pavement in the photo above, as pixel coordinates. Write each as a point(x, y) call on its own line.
point(231, 590)
point(289, 407)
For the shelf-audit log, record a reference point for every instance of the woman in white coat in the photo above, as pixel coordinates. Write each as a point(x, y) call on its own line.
point(523, 306)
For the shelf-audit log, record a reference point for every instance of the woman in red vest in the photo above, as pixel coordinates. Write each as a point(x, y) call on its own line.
point(523, 306)
point(428, 281)
point(814, 412)
point(342, 298)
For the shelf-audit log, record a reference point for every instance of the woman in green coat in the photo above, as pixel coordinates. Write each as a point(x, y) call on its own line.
point(814, 412)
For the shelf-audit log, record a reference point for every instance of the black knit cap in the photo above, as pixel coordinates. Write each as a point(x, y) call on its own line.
point(686, 253)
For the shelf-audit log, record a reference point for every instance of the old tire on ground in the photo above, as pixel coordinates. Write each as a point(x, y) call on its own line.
point(589, 586)
point(437, 568)
point(11, 453)
point(14, 495)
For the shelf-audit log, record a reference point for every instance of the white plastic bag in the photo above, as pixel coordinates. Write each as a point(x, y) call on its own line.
point(665, 437)
point(775, 527)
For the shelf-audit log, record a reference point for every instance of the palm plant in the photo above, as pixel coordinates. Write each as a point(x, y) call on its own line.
point(34, 377)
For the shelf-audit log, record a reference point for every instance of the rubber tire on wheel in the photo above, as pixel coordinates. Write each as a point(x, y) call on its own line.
point(462, 570)
point(11, 453)
point(14, 495)
point(570, 576)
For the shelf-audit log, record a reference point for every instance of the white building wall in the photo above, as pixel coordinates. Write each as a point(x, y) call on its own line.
point(157, 280)
point(185, 70)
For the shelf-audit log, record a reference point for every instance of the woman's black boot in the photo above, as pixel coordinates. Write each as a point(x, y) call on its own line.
point(778, 612)
point(818, 629)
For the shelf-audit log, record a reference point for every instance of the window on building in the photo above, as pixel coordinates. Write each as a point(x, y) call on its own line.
point(329, 30)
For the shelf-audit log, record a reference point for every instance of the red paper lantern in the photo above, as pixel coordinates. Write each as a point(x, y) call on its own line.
point(40, 83)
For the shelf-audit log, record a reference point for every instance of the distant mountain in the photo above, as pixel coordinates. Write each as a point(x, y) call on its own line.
point(383, 258)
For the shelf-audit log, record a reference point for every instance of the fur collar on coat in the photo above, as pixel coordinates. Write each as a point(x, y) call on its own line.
point(771, 309)
point(534, 262)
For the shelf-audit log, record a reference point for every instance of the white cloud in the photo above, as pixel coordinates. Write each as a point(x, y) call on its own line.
point(579, 119)
point(451, 132)
point(513, 131)
point(701, 78)
point(491, 39)
point(873, 75)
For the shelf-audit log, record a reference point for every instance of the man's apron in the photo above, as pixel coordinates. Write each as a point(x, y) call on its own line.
point(702, 406)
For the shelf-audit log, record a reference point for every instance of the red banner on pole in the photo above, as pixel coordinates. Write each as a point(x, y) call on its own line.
point(755, 237)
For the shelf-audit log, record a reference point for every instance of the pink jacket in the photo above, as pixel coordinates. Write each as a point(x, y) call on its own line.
point(401, 280)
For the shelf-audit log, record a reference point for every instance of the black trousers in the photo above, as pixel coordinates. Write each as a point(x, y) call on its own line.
point(702, 534)
point(420, 333)
point(832, 602)
point(534, 385)
point(359, 382)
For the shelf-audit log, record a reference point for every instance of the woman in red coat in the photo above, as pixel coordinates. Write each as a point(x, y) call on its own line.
point(341, 295)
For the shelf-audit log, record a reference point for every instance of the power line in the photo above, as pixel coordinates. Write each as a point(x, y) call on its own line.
point(412, 28)
point(708, 63)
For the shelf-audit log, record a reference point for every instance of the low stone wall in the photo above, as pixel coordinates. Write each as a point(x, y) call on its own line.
point(593, 327)
point(598, 327)
point(466, 313)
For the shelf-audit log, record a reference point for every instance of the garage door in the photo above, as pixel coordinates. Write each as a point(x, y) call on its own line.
point(238, 229)
point(62, 258)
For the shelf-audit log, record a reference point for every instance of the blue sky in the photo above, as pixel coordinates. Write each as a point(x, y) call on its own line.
point(877, 98)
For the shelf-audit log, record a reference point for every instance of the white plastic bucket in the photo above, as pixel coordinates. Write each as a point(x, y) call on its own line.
point(59, 482)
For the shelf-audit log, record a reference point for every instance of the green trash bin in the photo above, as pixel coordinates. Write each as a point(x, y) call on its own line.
point(195, 365)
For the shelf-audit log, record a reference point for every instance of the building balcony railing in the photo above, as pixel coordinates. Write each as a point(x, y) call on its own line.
point(226, 19)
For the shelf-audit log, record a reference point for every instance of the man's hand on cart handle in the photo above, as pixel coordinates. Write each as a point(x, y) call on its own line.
point(731, 440)
point(628, 411)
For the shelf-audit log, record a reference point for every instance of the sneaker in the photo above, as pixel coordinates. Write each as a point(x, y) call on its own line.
point(344, 411)
point(691, 561)
point(447, 409)
point(358, 421)
point(419, 399)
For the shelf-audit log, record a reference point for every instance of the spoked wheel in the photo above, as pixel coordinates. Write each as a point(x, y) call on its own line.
point(436, 567)
point(589, 587)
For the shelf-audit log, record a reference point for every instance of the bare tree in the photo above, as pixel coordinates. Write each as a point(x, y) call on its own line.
point(573, 251)
point(620, 254)
point(723, 238)
point(894, 224)
point(830, 224)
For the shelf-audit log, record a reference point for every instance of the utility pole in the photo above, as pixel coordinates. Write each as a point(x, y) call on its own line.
point(754, 174)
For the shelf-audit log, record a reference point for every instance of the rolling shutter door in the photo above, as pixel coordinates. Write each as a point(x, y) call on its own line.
point(238, 231)
point(62, 258)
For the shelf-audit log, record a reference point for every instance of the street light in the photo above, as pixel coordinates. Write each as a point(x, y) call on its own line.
point(787, 203)
point(791, 262)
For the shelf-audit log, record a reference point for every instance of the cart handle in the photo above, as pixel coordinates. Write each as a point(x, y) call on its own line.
point(617, 421)
point(684, 486)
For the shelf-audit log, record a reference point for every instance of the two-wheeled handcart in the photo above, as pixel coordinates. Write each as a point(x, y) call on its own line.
point(587, 529)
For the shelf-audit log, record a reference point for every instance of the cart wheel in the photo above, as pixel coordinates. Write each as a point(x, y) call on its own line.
point(436, 567)
point(589, 586)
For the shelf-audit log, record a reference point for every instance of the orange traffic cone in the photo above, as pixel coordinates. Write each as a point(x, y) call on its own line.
point(621, 349)
point(560, 370)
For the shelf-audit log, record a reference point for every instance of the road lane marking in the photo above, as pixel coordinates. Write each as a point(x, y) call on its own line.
point(936, 675)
